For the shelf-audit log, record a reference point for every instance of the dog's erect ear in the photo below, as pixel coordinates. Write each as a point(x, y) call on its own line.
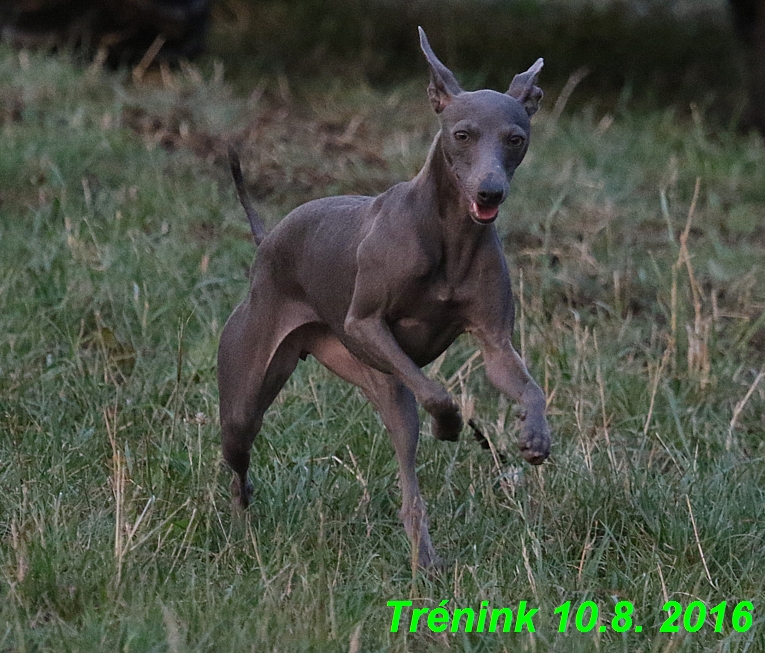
point(443, 85)
point(524, 89)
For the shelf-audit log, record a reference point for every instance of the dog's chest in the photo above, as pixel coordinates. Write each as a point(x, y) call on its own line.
point(443, 293)
point(427, 326)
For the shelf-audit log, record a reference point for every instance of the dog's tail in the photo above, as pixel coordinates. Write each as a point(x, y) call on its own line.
point(256, 224)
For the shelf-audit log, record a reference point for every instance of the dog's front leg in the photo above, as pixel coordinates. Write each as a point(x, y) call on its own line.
point(507, 372)
point(398, 409)
point(371, 335)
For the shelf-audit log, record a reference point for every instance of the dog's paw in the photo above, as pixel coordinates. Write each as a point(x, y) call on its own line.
point(241, 492)
point(447, 427)
point(429, 561)
point(447, 421)
point(534, 439)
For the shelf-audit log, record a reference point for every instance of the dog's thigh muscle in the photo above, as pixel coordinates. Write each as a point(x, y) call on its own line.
point(258, 353)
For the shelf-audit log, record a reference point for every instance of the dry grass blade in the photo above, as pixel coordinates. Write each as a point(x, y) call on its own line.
point(354, 645)
point(119, 478)
point(568, 89)
point(602, 392)
point(698, 542)
point(739, 408)
point(655, 386)
point(699, 362)
point(683, 258)
point(148, 58)
point(664, 592)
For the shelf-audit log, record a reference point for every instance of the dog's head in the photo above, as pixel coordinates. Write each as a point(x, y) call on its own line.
point(484, 134)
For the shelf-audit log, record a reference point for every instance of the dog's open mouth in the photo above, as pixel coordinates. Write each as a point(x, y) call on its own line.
point(483, 214)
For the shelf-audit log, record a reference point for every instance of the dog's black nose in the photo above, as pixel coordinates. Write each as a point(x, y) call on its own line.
point(490, 195)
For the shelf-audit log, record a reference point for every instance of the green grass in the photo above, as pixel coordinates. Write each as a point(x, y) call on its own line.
point(122, 252)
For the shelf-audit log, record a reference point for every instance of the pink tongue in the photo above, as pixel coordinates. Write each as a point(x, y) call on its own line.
point(485, 213)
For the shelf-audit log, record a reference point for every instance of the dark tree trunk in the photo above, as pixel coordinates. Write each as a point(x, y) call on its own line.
point(749, 19)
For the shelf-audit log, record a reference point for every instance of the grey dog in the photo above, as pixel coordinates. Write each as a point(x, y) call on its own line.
point(376, 287)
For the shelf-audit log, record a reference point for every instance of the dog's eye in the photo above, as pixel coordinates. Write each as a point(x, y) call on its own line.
point(515, 141)
point(461, 136)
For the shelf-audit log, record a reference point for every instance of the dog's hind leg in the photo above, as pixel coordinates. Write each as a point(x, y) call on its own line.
point(251, 372)
point(398, 409)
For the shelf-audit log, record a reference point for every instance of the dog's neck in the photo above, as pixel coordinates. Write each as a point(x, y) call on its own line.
point(448, 218)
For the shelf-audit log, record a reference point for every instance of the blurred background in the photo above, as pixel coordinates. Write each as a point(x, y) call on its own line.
point(653, 52)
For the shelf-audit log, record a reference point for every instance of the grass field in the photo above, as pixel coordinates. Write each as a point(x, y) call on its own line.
point(122, 252)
